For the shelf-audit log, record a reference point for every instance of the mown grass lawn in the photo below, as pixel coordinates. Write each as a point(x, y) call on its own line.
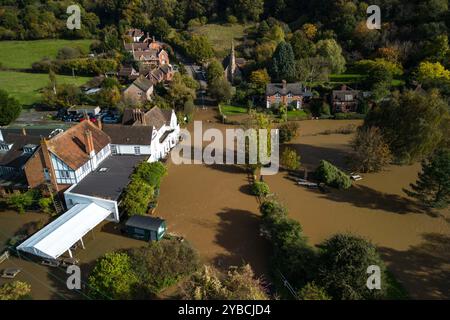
point(25, 87)
point(230, 110)
point(297, 115)
point(345, 78)
point(221, 35)
point(22, 54)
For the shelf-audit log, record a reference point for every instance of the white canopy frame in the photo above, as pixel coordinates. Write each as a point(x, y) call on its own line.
point(60, 235)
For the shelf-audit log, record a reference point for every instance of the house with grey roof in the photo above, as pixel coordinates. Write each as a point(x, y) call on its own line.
point(288, 94)
point(139, 91)
point(152, 133)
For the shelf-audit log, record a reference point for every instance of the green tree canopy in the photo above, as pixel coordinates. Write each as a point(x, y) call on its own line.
point(9, 108)
point(432, 188)
point(343, 263)
point(112, 277)
point(162, 264)
point(283, 63)
point(332, 51)
point(412, 123)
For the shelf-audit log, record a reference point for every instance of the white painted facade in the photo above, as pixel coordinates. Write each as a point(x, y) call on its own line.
point(75, 198)
point(156, 150)
point(66, 175)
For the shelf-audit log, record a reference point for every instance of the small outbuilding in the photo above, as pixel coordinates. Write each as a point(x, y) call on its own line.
point(146, 228)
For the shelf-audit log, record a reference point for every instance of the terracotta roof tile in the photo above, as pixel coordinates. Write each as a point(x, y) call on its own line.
point(70, 146)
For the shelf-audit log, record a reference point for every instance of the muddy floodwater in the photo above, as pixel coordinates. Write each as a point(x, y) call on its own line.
point(212, 208)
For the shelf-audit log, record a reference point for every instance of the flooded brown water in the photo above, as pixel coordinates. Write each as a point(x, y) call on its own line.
point(211, 207)
point(48, 282)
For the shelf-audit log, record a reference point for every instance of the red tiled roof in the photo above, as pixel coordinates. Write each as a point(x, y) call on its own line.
point(70, 145)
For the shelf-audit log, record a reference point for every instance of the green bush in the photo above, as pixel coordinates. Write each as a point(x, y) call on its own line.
point(138, 195)
point(112, 277)
point(343, 268)
point(151, 173)
point(46, 205)
point(288, 131)
point(332, 176)
point(260, 188)
point(21, 201)
point(313, 292)
point(9, 108)
point(291, 253)
point(162, 264)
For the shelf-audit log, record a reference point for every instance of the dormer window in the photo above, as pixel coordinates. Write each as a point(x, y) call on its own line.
point(5, 146)
point(289, 95)
point(29, 148)
point(277, 96)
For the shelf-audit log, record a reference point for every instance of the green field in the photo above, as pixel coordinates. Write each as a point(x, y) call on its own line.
point(229, 110)
point(22, 54)
point(25, 87)
point(297, 115)
point(346, 78)
point(221, 35)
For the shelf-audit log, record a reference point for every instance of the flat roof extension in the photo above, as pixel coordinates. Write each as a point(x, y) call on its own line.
point(110, 178)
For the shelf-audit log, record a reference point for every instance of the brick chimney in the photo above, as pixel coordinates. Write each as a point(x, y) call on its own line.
point(344, 87)
point(24, 131)
point(89, 143)
point(86, 116)
point(99, 123)
point(284, 84)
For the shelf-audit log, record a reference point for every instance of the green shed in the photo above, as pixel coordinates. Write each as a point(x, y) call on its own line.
point(146, 228)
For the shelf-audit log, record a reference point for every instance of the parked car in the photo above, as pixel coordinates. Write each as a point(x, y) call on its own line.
point(10, 273)
point(110, 119)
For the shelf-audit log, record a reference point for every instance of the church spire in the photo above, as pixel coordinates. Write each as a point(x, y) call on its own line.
point(232, 61)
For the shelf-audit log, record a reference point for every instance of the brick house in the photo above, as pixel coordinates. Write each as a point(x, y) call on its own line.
point(289, 94)
point(67, 157)
point(17, 147)
point(345, 99)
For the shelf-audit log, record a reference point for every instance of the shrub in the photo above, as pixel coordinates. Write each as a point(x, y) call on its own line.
point(232, 19)
point(163, 263)
point(138, 195)
point(332, 176)
point(290, 159)
point(21, 201)
point(260, 189)
point(291, 253)
point(46, 205)
point(313, 292)
point(288, 131)
point(151, 173)
point(112, 277)
point(343, 267)
point(371, 152)
point(9, 108)
point(69, 53)
point(236, 284)
point(16, 290)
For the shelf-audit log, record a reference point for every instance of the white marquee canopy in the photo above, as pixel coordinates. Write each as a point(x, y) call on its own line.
point(58, 236)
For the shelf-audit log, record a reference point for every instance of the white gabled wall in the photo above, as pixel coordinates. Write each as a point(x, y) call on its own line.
point(75, 198)
point(131, 149)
